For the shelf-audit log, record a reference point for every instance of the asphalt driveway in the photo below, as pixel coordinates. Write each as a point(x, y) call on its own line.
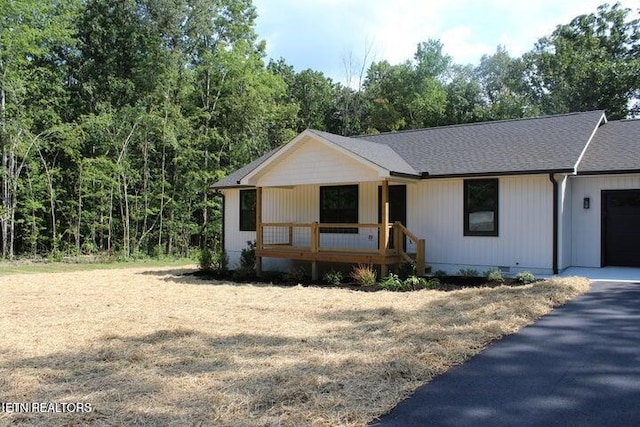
point(579, 366)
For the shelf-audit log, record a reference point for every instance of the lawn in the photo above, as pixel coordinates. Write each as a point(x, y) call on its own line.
point(149, 346)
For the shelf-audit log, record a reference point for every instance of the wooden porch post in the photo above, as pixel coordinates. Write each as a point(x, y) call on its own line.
point(383, 244)
point(259, 236)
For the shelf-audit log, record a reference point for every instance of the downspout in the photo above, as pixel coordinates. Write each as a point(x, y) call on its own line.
point(555, 222)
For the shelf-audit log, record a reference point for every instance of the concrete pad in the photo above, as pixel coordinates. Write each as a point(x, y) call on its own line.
point(609, 274)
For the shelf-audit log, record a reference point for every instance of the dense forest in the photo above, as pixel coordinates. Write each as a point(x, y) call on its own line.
point(117, 116)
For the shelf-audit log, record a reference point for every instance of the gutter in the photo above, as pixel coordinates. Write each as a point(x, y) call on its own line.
point(404, 175)
point(555, 222)
point(426, 175)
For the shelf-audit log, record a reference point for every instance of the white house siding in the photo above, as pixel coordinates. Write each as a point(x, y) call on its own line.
point(234, 239)
point(435, 213)
point(586, 230)
point(565, 244)
point(313, 162)
point(300, 204)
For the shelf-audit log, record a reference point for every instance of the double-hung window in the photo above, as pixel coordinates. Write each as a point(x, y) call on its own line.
point(481, 207)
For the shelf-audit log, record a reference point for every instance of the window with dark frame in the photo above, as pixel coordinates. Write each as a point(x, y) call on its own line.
point(339, 204)
point(481, 207)
point(247, 210)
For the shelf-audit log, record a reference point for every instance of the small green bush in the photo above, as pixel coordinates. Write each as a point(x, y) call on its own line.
point(495, 275)
point(468, 272)
point(248, 256)
point(206, 260)
point(333, 278)
point(364, 275)
point(392, 283)
point(525, 277)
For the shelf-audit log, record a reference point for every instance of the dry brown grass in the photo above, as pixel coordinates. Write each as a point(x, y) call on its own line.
point(147, 347)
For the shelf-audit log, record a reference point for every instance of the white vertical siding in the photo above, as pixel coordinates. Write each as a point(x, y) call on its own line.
point(564, 222)
point(313, 162)
point(586, 230)
point(435, 212)
point(234, 239)
point(300, 204)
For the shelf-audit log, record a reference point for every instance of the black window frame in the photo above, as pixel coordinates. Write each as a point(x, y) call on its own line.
point(247, 216)
point(349, 217)
point(468, 184)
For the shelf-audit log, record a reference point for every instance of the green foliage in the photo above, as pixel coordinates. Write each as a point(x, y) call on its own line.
point(392, 283)
point(525, 277)
point(495, 275)
point(118, 116)
point(248, 256)
point(591, 63)
point(468, 272)
point(412, 283)
point(332, 277)
point(364, 274)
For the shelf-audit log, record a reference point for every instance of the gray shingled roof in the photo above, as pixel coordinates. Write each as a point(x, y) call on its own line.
point(541, 144)
point(535, 144)
point(379, 154)
point(233, 179)
point(615, 148)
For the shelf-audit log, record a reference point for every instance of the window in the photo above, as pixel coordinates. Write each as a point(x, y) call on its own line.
point(339, 204)
point(247, 210)
point(481, 207)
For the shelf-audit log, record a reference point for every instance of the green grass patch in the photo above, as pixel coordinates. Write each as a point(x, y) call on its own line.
point(30, 267)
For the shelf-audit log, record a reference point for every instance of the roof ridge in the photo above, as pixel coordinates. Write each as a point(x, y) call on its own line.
point(364, 136)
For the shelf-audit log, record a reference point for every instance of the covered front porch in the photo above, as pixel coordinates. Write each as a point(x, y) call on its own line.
point(325, 198)
point(383, 243)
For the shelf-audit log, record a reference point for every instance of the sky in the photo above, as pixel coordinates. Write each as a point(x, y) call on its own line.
point(324, 35)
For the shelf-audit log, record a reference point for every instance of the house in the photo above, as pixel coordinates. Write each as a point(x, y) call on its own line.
point(538, 194)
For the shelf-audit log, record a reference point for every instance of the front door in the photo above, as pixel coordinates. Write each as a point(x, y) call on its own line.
point(397, 208)
point(621, 228)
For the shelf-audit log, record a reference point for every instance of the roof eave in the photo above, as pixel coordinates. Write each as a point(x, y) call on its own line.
point(609, 172)
point(426, 175)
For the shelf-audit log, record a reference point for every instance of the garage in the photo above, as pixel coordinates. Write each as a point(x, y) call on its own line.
point(621, 227)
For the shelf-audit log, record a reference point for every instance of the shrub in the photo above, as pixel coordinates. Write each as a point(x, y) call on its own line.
point(495, 275)
point(332, 278)
point(392, 283)
point(206, 260)
point(248, 256)
point(415, 283)
point(364, 274)
point(525, 277)
point(468, 272)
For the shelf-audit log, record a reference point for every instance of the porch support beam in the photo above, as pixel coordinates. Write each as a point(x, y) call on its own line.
point(383, 243)
point(259, 231)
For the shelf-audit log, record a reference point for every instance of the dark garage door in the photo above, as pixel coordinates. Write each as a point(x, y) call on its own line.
point(621, 227)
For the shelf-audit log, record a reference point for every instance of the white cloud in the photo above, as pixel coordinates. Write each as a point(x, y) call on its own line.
point(319, 34)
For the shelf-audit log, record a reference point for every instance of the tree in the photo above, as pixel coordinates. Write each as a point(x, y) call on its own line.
point(503, 87)
point(591, 63)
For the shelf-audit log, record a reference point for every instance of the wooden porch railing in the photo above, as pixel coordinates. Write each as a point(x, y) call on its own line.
point(400, 233)
point(282, 239)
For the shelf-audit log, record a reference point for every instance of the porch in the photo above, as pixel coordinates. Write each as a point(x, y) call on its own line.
point(385, 243)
